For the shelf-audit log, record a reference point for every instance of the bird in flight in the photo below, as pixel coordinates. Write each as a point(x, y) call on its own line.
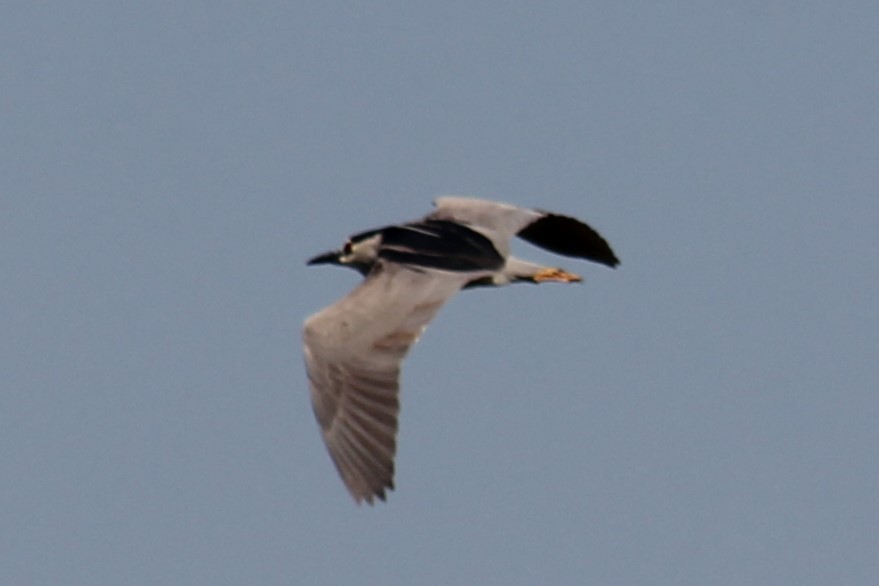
point(354, 348)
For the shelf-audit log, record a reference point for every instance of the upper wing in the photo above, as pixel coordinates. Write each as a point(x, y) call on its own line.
point(353, 352)
point(503, 219)
point(554, 232)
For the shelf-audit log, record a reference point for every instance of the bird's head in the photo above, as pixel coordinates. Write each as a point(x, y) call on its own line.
point(359, 253)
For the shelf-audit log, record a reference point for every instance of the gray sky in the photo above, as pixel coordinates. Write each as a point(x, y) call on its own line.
point(705, 414)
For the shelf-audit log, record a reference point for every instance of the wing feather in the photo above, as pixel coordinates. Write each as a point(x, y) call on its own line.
point(503, 219)
point(353, 351)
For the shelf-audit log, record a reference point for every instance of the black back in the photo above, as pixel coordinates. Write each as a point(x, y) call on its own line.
point(439, 244)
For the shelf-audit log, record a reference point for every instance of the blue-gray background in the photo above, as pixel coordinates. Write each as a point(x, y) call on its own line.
point(706, 414)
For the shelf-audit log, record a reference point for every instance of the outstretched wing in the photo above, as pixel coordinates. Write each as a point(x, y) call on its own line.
point(554, 232)
point(353, 352)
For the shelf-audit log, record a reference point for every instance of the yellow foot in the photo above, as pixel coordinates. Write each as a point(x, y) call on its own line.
point(558, 275)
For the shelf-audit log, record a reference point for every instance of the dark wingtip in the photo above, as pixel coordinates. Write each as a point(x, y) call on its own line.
point(378, 493)
point(381, 494)
point(569, 237)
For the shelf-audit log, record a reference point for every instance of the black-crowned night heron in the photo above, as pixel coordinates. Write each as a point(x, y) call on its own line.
point(354, 348)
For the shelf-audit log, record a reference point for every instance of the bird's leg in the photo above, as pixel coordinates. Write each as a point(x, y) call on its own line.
point(555, 274)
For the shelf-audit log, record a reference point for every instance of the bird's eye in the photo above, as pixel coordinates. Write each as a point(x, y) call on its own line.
point(348, 248)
